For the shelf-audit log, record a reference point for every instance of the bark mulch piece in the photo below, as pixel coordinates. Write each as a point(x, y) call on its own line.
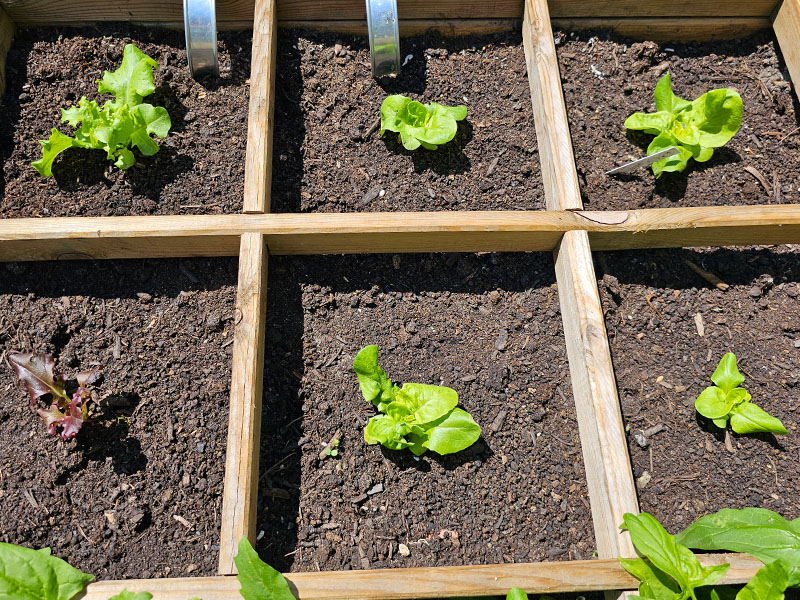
point(652, 300)
point(489, 326)
point(329, 156)
point(607, 78)
point(200, 165)
point(147, 472)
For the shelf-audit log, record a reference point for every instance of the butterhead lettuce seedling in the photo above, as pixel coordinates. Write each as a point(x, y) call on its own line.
point(416, 416)
point(726, 400)
point(426, 125)
point(37, 372)
point(119, 124)
point(695, 128)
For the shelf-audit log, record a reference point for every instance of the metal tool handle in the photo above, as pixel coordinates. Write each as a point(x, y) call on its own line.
point(200, 22)
point(384, 39)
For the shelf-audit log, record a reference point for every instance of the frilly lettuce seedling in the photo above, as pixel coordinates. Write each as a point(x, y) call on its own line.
point(417, 416)
point(726, 400)
point(695, 127)
point(36, 371)
point(426, 125)
point(120, 123)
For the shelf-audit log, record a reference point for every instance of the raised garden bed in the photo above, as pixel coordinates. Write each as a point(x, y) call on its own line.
point(329, 156)
point(487, 326)
point(147, 471)
point(664, 355)
point(607, 77)
point(200, 165)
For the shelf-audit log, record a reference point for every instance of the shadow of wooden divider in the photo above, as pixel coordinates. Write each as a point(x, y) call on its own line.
point(6, 37)
point(439, 582)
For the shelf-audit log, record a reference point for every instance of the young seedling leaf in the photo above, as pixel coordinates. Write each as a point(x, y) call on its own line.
point(763, 533)
point(769, 583)
point(516, 594)
point(695, 128)
point(259, 581)
point(417, 416)
point(27, 574)
point(726, 400)
point(426, 125)
point(120, 124)
point(36, 371)
point(126, 595)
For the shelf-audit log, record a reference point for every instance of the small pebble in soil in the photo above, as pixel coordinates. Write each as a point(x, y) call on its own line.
point(376, 489)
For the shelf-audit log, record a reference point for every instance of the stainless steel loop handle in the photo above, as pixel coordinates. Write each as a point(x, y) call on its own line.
point(384, 39)
point(200, 22)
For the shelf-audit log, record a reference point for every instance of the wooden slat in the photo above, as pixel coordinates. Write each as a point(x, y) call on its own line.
point(212, 235)
point(408, 27)
point(479, 231)
point(671, 29)
point(673, 8)
point(612, 492)
point(438, 582)
point(787, 30)
point(6, 36)
point(549, 111)
point(240, 493)
point(258, 161)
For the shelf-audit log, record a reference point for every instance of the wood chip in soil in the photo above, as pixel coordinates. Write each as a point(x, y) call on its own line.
point(329, 156)
point(199, 167)
point(662, 363)
point(488, 326)
point(607, 78)
point(152, 458)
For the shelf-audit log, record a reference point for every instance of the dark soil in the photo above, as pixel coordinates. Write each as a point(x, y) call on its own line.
point(651, 300)
point(328, 157)
point(147, 472)
point(598, 106)
point(489, 326)
point(200, 165)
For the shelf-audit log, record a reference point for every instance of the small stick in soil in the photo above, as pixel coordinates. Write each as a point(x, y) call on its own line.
point(788, 135)
point(709, 277)
point(498, 421)
point(761, 179)
point(776, 186)
point(373, 128)
point(651, 431)
point(329, 446)
point(729, 442)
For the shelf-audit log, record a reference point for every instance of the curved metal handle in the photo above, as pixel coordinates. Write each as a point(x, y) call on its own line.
point(384, 39)
point(200, 22)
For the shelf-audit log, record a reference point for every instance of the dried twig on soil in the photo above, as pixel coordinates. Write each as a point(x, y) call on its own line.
point(709, 277)
point(788, 135)
point(761, 179)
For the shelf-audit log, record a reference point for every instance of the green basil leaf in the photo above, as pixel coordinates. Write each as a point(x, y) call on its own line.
point(654, 583)
point(769, 583)
point(428, 402)
point(27, 574)
point(375, 386)
point(259, 581)
point(727, 375)
point(714, 403)
point(126, 595)
point(452, 433)
point(749, 418)
point(516, 594)
point(763, 533)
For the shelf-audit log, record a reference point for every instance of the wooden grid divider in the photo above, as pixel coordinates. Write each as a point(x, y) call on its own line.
point(564, 228)
point(240, 490)
point(6, 37)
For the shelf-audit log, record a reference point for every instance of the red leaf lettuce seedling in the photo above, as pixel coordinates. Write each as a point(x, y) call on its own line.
point(695, 127)
point(726, 400)
point(417, 416)
point(426, 125)
point(120, 123)
point(36, 371)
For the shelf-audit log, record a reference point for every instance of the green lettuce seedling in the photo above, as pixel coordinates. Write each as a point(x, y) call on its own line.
point(120, 123)
point(426, 125)
point(417, 416)
point(695, 127)
point(726, 400)
point(259, 581)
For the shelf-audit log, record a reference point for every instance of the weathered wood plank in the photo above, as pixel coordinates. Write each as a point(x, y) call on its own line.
point(674, 8)
point(408, 27)
point(240, 492)
point(6, 36)
point(787, 30)
point(437, 582)
point(671, 29)
point(258, 161)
